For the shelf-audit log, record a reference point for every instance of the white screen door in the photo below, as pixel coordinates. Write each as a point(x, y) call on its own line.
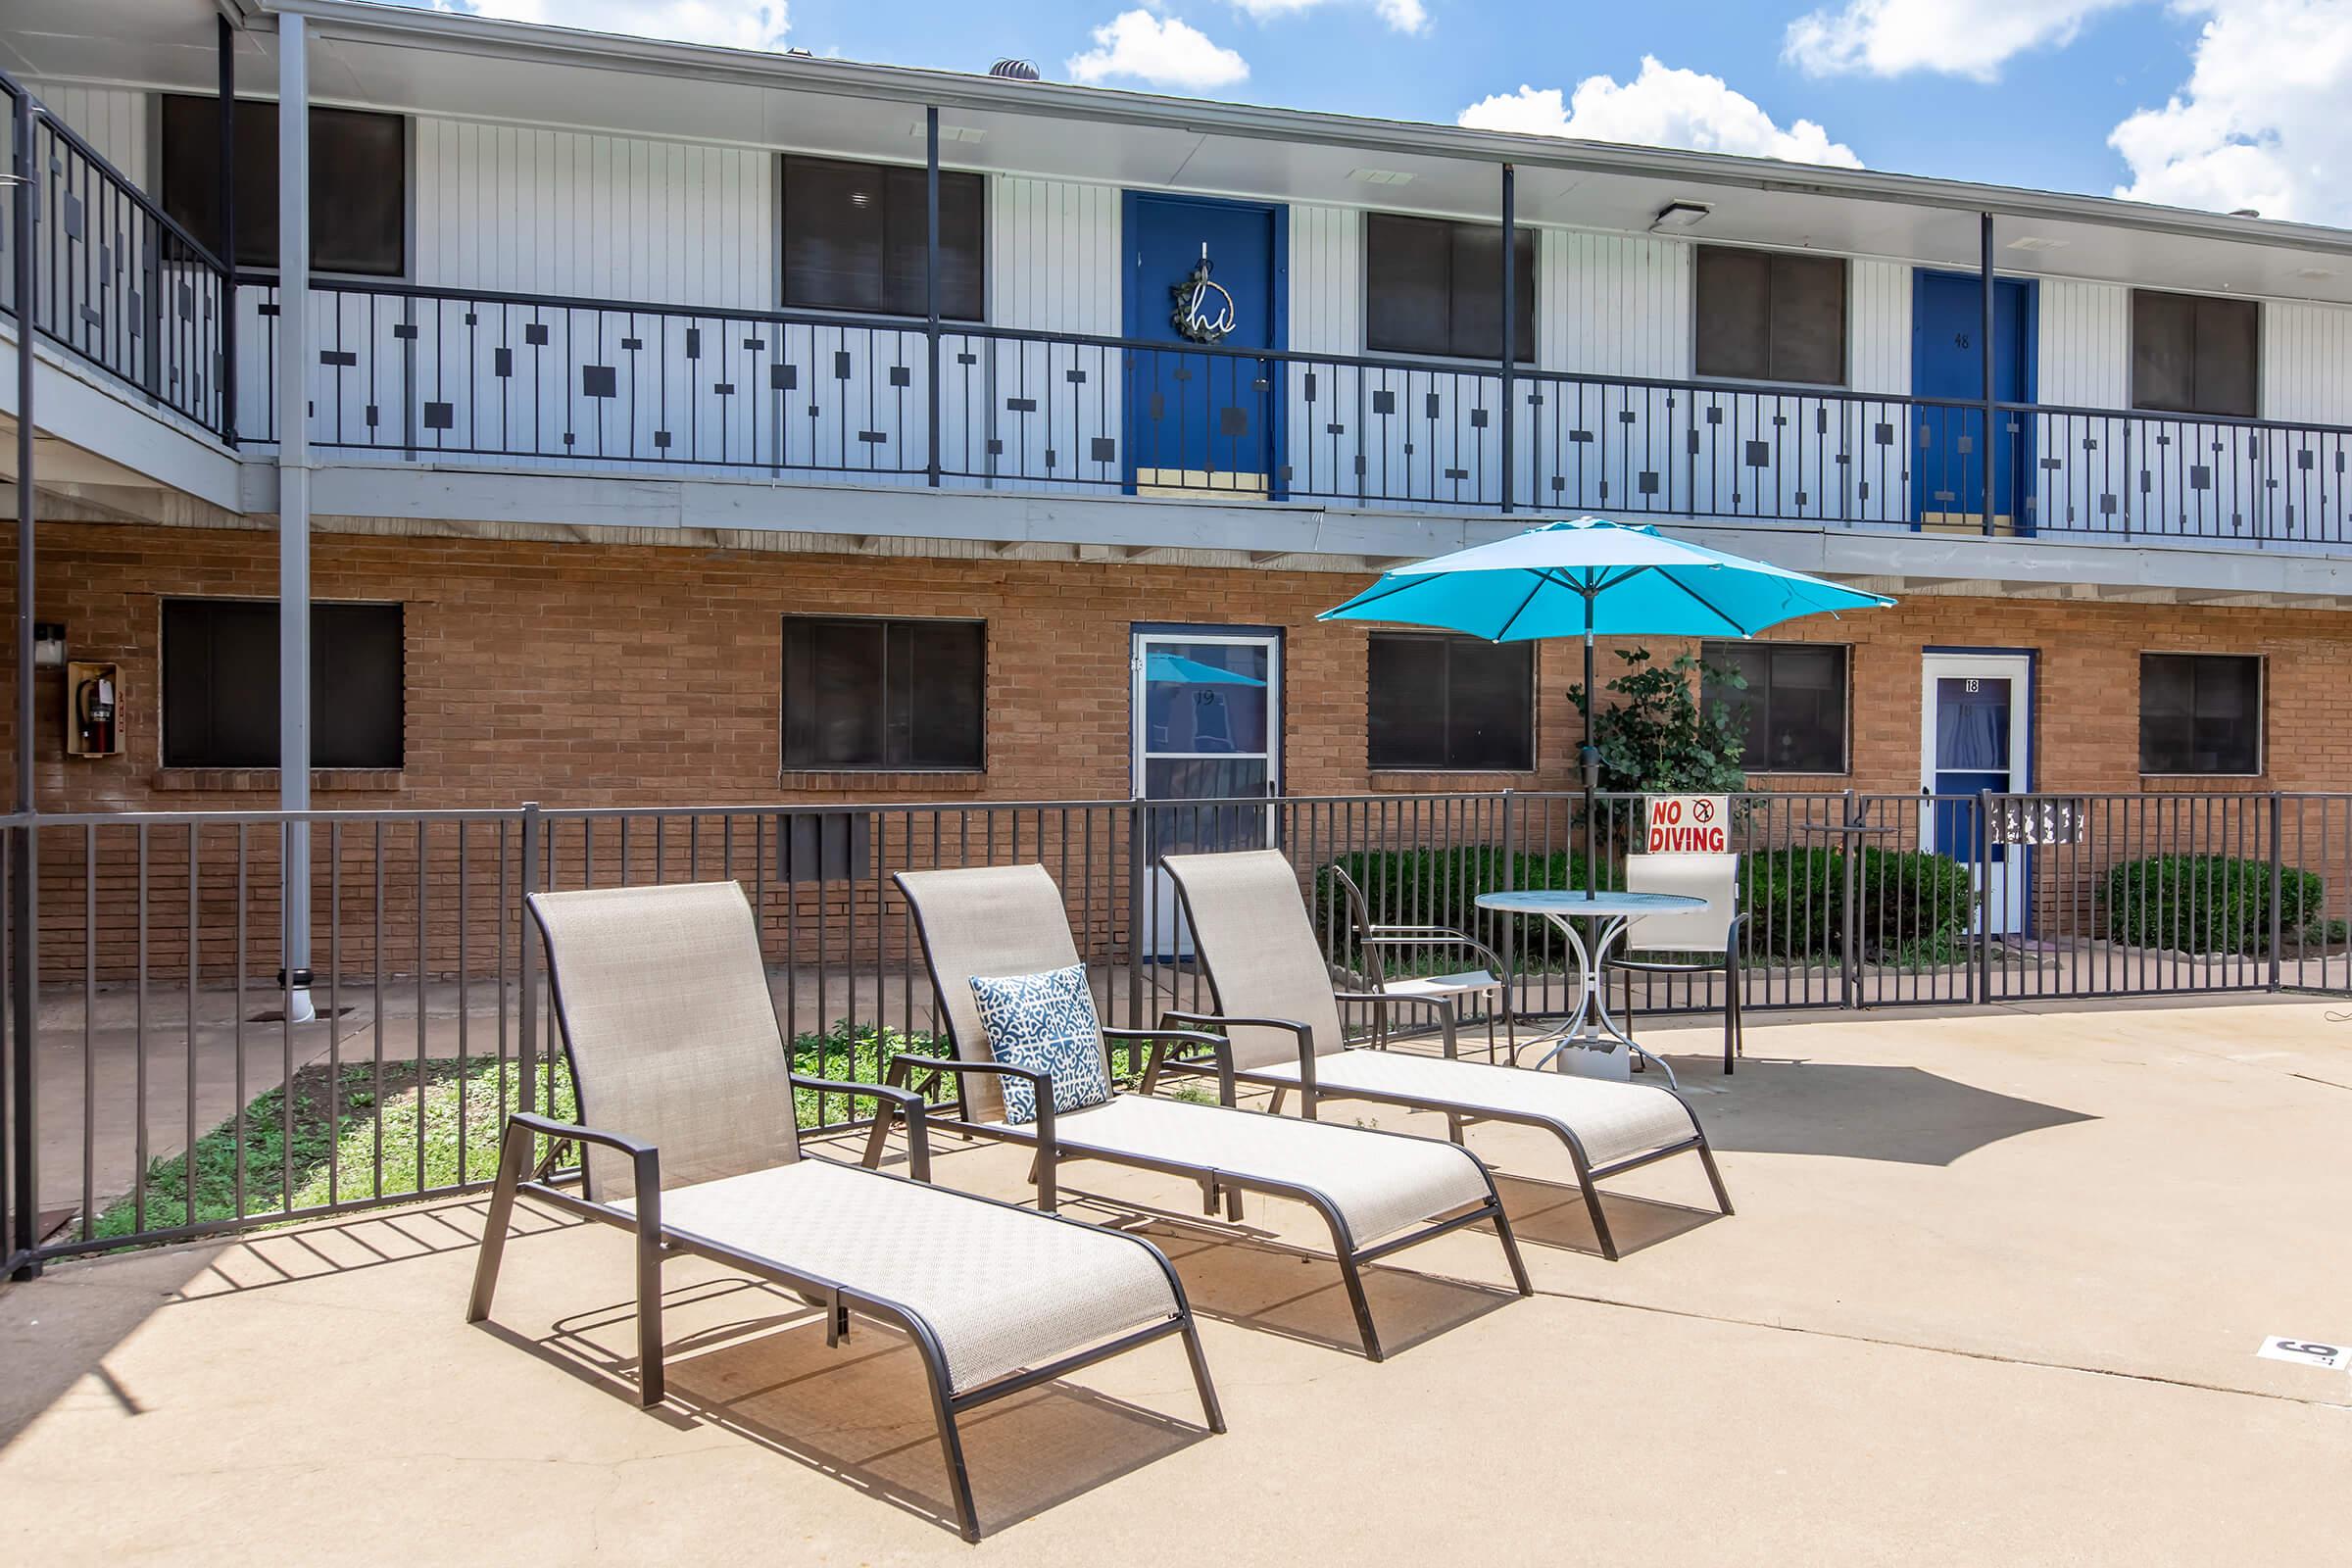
point(1976, 734)
point(1208, 707)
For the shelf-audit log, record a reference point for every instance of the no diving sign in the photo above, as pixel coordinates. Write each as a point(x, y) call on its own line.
point(1687, 825)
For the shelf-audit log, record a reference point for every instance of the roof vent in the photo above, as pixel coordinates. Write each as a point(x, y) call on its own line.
point(2244, 211)
point(1015, 70)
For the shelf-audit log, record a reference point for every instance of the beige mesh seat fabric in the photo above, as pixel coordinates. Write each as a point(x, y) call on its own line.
point(997, 1288)
point(1378, 1191)
point(1252, 934)
point(1614, 1122)
point(1389, 1187)
point(687, 1118)
point(1713, 930)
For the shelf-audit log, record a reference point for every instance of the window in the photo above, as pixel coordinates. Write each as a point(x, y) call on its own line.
point(1459, 704)
point(1791, 711)
point(853, 239)
point(359, 183)
point(1771, 315)
point(883, 694)
point(220, 685)
point(2193, 355)
point(2200, 714)
point(1435, 287)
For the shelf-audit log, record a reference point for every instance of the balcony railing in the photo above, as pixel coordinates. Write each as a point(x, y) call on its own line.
point(487, 377)
point(118, 285)
point(484, 376)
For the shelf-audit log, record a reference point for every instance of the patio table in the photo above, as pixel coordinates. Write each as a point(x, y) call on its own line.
point(1590, 1029)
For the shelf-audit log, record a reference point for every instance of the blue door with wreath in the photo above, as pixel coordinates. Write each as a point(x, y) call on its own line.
point(1204, 277)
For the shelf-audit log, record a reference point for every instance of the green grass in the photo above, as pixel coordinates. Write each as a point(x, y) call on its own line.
point(322, 1130)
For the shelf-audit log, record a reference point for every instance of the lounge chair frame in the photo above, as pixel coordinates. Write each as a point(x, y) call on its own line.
point(1056, 1148)
point(1460, 1113)
point(657, 1242)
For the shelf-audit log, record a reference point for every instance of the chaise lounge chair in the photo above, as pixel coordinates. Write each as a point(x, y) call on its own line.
point(1379, 1192)
point(690, 1142)
point(1277, 1007)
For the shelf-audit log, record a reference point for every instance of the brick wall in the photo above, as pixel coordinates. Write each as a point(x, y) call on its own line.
point(594, 674)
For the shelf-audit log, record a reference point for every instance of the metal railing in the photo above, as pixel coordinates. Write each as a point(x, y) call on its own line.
point(119, 284)
point(163, 1022)
point(477, 376)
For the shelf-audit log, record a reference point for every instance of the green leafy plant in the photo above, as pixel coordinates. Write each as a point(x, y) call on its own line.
point(2212, 904)
point(1659, 737)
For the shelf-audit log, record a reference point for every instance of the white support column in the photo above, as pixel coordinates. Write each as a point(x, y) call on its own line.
point(294, 496)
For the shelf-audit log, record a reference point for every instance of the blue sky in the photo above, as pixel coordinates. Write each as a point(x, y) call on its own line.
point(2206, 103)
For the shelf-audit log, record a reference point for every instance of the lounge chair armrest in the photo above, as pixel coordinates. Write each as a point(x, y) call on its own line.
point(1304, 1036)
point(1431, 937)
point(644, 1161)
point(1442, 1006)
point(911, 1108)
point(1165, 1039)
point(1041, 1084)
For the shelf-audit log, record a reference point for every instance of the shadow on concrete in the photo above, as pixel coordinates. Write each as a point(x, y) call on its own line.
point(1553, 1214)
point(1250, 1279)
point(1866, 1111)
point(862, 1412)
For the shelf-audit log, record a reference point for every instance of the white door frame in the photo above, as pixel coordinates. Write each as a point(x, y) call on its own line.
point(1139, 718)
point(1165, 936)
point(2004, 900)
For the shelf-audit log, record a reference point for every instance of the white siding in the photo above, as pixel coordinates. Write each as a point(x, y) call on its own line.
point(503, 207)
point(2082, 359)
point(1613, 304)
point(2307, 361)
point(1327, 279)
point(2084, 349)
point(113, 120)
point(1038, 413)
point(1879, 326)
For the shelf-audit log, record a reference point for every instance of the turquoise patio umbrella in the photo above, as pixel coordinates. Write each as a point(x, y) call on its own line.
point(1590, 577)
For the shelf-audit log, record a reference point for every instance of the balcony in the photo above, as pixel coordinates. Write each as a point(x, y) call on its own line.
point(413, 375)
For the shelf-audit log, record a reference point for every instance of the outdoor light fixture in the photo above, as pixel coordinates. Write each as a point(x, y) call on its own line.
point(49, 645)
point(1680, 215)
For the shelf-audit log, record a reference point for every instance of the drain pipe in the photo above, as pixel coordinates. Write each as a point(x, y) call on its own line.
point(294, 504)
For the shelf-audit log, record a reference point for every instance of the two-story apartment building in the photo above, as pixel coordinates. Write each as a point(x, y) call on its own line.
point(659, 443)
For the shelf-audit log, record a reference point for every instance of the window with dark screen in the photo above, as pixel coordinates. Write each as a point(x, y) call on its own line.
point(2195, 355)
point(853, 239)
point(2200, 714)
point(868, 692)
point(1454, 704)
point(359, 183)
point(1793, 709)
point(220, 685)
point(1770, 315)
point(1434, 286)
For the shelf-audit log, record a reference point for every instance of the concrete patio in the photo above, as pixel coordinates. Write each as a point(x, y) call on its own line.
point(1993, 1294)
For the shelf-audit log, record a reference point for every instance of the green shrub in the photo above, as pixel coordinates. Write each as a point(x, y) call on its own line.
point(2209, 904)
point(1913, 907)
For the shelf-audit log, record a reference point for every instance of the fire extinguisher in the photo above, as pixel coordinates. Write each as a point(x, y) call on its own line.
point(94, 712)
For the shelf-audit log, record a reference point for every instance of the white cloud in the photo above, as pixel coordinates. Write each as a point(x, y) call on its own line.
point(1661, 108)
point(1403, 16)
point(2260, 122)
point(1163, 51)
point(736, 23)
point(1889, 37)
point(1896, 36)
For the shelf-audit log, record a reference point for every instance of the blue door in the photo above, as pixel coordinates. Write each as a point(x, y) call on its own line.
point(1947, 360)
point(1202, 276)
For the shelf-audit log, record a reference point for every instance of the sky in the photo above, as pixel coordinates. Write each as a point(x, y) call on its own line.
point(2217, 103)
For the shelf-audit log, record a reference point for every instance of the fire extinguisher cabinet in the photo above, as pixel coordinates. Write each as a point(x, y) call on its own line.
point(93, 710)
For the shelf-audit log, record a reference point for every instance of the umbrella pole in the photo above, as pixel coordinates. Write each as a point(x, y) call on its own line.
point(1589, 759)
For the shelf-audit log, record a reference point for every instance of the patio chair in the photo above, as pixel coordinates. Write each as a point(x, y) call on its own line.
point(1379, 1192)
point(1277, 1008)
point(689, 1140)
point(1710, 931)
point(1371, 938)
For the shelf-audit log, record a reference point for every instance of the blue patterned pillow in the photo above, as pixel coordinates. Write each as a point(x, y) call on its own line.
point(1045, 1022)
